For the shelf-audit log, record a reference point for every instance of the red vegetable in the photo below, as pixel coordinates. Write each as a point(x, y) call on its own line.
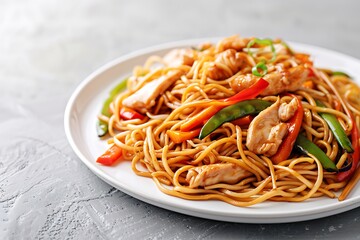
point(245, 94)
point(294, 126)
point(248, 93)
point(243, 121)
point(129, 114)
point(179, 137)
point(110, 156)
point(355, 155)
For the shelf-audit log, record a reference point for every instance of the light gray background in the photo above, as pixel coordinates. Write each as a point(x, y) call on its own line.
point(48, 47)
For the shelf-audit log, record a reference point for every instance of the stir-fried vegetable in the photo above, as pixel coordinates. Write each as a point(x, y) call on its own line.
point(266, 42)
point(245, 94)
point(261, 65)
point(355, 155)
point(129, 114)
point(248, 93)
point(243, 121)
point(336, 129)
point(179, 137)
point(238, 110)
point(288, 47)
point(200, 119)
point(310, 148)
point(110, 156)
point(101, 126)
point(294, 125)
point(339, 73)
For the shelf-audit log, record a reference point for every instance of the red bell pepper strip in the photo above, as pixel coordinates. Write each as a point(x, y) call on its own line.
point(342, 176)
point(179, 137)
point(129, 114)
point(110, 156)
point(249, 93)
point(244, 121)
point(294, 125)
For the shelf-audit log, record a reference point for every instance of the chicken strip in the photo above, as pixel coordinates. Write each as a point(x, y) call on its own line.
point(287, 110)
point(279, 81)
point(266, 131)
point(215, 173)
point(178, 57)
point(144, 98)
point(233, 61)
point(233, 42)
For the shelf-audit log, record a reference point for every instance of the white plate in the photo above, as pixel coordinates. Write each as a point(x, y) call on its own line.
point(80, 118)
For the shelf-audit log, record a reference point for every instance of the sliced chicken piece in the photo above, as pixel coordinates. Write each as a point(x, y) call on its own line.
point(215, 173)
point(266, 131)
point(144, 98)
point(233, 42)
point(279, 81)
point(178, 57)
point(232, 59)
point(242, 82)
point(287, 110)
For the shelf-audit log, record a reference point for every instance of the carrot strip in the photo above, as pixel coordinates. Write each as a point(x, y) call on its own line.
point(200, 118)
point(179, 137)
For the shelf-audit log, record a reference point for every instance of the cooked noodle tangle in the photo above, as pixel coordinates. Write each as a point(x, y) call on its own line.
point(154, 155)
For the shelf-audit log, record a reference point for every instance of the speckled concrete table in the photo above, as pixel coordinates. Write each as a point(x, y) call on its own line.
point(47, 47)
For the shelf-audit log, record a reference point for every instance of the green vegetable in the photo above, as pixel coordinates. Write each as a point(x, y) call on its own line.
point(262, 66)
point(230, 113)
point(101, 126)
point(308, 147)
point(266, 42)
point(336, 129)
point(338, 73)
point(288, 48)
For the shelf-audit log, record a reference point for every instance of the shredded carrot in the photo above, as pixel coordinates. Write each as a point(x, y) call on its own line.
point(179, 137)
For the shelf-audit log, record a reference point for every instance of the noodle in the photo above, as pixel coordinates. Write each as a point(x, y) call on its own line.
point(207, 76)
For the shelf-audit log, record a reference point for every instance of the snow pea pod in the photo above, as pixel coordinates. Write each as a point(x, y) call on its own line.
point(308, 147)
point(232, 112)
point(339, 73)
point(336, 129)
point(101, 126)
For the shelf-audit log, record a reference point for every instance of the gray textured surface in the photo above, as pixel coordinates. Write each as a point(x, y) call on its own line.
point(47, 47)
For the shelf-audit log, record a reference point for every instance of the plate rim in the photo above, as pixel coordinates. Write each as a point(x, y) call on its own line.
point(323, 211)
